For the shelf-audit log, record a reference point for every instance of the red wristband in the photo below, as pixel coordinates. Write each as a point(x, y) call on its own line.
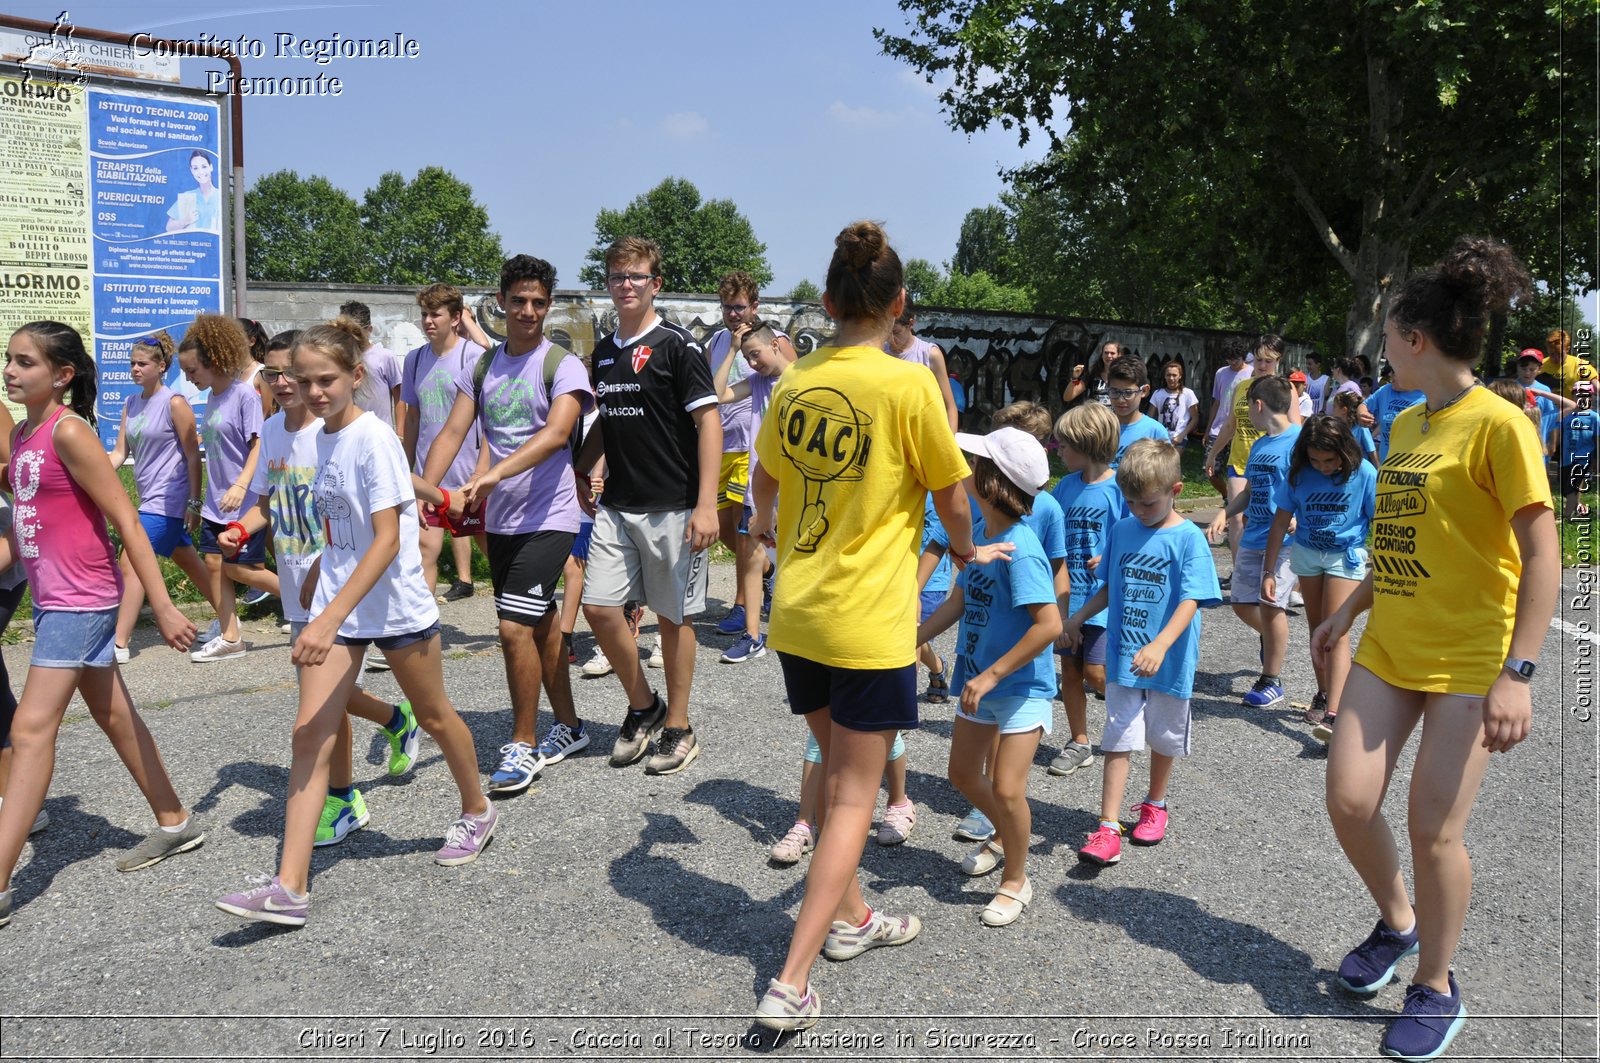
point(244, 536)
point(445, 507)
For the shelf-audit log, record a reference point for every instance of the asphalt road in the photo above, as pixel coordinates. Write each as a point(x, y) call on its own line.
point(622, 916)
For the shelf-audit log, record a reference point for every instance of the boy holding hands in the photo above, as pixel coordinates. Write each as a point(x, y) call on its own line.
point(1159, 575)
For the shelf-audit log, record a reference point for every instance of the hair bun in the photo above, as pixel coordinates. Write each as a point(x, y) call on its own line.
point(861, 244)
point(1485, 271)
point(352, 328)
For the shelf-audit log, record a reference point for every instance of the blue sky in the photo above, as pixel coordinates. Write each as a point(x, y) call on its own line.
point(553, 111)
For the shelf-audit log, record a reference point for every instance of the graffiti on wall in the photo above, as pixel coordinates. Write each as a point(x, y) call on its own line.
point(997, 357)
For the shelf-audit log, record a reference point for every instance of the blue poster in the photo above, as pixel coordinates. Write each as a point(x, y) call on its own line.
point(157, 217)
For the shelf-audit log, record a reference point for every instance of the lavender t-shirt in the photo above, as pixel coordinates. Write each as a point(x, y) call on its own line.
point(428, 382)
point(233, 422)
point(760, 395)
point(159, 467)
point(513, 409)
point(377, 389)
point(736, 433)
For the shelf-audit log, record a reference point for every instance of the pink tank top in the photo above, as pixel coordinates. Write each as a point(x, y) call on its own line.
point(61, 534)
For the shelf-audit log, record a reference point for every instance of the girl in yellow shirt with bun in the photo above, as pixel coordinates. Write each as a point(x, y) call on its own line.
point(1463, 584)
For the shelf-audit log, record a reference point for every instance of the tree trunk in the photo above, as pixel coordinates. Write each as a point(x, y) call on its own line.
point(1380, 267)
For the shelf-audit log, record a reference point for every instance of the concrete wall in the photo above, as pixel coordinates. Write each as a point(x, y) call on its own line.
point(998, 357)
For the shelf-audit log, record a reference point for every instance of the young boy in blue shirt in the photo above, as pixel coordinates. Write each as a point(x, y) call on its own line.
point(1159, 575)
point(1128, 385)
point(1267, 468)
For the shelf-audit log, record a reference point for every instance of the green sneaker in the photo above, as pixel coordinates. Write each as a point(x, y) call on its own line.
point(403, 741)
point(340, 817)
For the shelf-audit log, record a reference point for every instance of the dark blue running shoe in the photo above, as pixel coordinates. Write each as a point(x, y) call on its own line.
point(1428, 1022)
point(1370, 965)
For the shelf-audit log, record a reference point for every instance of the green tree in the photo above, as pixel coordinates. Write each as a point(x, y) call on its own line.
point(987, 244)
point(701, 240)
point(1296, 139)
point(923, 280)
point(428, 230)
point(979, 291)
point(302, 230)
point(805, 292)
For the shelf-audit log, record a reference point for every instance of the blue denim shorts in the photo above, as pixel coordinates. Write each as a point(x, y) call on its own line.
point(1309, 561)
point(391, 642)
point(74, 640)
point(1015, 715)
point(166, 534)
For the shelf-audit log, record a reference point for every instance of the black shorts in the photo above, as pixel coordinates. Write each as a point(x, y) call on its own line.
point(862, 699)
point(391, 642)
point(253, 552)
point(525, 569)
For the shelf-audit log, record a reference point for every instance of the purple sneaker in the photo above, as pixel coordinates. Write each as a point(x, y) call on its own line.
point(467, 838)
point(267, 902)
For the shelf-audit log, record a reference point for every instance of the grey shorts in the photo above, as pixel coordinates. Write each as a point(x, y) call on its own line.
point(1138, 719)
point(645, 557)
point(1246, 587)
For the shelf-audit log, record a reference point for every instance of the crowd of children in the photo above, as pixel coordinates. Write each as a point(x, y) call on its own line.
point(616, 479)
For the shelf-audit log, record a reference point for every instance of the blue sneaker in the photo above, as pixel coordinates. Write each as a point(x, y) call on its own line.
point(975, 828)
point(766, 592)
point(255, 596)
point(560, 742)
point(1370, 965)
point(1264, 695)
point(745, 649)
point(1428, 1022)
point(517, 769)
point(733, 623)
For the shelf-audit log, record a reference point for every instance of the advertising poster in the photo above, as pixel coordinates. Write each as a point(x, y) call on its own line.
point(44, 209)
point(154, 167)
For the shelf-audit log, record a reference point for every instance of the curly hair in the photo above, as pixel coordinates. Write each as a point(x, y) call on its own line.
point(1453, 301)
point(219, 342)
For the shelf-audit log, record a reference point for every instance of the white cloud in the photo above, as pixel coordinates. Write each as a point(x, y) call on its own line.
point(862, 117)
point(685, 125)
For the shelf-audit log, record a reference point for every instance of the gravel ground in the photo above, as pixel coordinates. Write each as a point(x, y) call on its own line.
point(618, 915)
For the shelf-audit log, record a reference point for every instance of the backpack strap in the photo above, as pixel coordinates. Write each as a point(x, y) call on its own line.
point(481, 371)
point(552, 362)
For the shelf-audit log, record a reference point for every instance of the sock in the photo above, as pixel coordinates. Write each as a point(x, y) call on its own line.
point(1407, 930)
point(1154, 803)
point(293, 896)
point(803, 824)
point(1113, 824)
point(868, 919)
point(343, 793)
point(396, 720)
point(178, 828)
point(1265, 678)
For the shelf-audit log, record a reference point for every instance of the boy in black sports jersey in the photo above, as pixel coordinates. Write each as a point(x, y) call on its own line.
point(662, 439)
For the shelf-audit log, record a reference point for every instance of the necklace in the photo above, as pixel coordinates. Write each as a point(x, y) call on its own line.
point(1428, 411)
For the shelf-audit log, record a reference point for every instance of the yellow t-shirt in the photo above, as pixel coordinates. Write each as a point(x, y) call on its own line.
point(1445, 564)
point(856, 439)
point(1568, 371)
point(1245, 434)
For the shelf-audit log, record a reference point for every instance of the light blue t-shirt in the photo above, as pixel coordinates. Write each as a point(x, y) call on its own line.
point(1046, 522)
point(1152, 570)
point(1267, 468)
point(1549, 412)
point(1364, 441)
point(1385, 404)
point(995, 617)
point(1089, 510)
point(933, 533)
point(1578, 430)
point(1329, 514)
point(1144, 428)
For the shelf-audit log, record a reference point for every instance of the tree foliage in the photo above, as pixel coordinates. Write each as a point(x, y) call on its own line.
point(805, 292)
point(928, 285)
point(1216, 159)
point(302, 229)
point(428, 230)
point(987, 244)
point(404, 232)
point(701, 240)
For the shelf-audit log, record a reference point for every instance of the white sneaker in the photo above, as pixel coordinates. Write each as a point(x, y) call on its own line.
point(40, 822)
point(218, 649)
point(121, 654)
point(597, 665)
point(656, 659)
point(286, 627)
point(1295, 601)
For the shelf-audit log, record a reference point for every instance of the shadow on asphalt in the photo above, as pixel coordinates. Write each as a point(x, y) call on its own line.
point(757, 809)
point(1282, 721)
point(1221, 951)
point(72, 837)
point(706, 913)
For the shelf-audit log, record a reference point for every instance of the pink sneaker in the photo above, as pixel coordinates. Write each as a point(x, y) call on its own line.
point(1104, 846)
point(1152, 826)
point(898, 821)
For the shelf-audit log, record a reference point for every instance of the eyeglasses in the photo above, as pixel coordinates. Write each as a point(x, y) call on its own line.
point(735, 308)
point(638, 280)
point(271, 375)
point(1124, 393)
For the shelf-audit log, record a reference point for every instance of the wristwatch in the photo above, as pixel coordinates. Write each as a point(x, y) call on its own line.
point(1520, 667)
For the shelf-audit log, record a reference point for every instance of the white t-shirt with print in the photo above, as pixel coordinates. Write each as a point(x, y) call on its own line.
point(363, 471)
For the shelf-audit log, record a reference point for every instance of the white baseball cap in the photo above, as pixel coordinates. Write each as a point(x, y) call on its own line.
point(1015, 452)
